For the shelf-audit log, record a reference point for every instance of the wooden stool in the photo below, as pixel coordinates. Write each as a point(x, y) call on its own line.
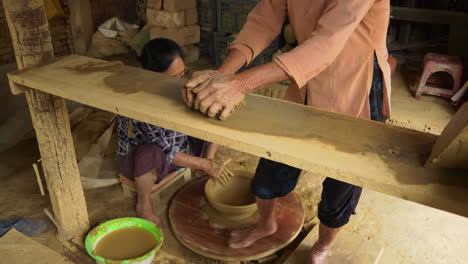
point(180, 177)
point(439, 63)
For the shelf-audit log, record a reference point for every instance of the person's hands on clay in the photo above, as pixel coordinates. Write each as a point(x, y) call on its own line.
point(218, 171)
point(198, 78)
point(219, 95)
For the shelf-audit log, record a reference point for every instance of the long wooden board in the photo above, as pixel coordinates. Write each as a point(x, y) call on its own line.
point(377, 156)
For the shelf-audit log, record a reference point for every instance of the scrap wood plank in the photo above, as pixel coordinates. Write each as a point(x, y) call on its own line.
point(377, 156)
point(18, 248)
point(348, 248)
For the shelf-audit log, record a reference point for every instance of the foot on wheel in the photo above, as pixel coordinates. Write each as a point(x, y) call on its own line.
point(245, 238)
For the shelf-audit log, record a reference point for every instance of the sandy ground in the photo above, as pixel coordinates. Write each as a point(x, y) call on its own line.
point(410, 233)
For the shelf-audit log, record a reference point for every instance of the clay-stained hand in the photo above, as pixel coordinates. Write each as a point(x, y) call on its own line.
point(188, 96)
point(219, 96)
point(199, 80)
point(218, 171)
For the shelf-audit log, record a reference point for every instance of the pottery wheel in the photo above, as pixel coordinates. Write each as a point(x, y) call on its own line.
point(201, 229)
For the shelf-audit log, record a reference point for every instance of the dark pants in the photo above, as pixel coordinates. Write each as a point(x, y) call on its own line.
point(339, 199)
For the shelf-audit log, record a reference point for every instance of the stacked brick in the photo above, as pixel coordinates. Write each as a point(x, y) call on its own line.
point(60, 31)
point(64, 39)
point(176, 20)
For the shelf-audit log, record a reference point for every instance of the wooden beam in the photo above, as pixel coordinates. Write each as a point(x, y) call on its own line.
point(82, 24)
point(362, 152)
point(32, 42)
point(451, 148)
point(458, 39)
point(428, 15)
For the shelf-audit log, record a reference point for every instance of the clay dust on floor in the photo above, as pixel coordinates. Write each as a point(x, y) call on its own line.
point(410, 233)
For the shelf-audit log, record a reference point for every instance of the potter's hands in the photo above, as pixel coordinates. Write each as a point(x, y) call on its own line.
point(219, 95)
point(198, 79)
point(218, 171)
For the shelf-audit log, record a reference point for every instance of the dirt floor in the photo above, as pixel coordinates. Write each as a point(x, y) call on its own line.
point(410, 233)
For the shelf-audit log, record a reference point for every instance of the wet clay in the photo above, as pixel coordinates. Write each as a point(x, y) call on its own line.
point(235, 193)
point(125, 243)
point(234, 199)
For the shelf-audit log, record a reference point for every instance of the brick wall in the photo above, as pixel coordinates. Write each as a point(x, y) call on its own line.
point(60, 31)
point(176, 20)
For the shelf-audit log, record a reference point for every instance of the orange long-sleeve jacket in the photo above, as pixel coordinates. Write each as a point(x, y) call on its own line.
point(333, 63)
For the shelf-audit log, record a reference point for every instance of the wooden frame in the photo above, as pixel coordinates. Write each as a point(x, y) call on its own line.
point(377, 156)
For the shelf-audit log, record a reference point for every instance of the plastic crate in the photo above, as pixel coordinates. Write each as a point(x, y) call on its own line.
point(206, 43)
point(223, 40)
point(232, 14)
point(206, 12)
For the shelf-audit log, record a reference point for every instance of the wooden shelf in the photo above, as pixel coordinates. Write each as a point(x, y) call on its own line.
point(373, 155)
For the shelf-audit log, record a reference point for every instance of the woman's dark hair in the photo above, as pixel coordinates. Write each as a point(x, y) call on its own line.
point(158, 54)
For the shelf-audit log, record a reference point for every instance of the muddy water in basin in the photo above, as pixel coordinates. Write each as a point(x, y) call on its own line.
point(125, 243)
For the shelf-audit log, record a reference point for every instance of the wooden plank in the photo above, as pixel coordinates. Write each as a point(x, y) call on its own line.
point(82, 25)
point(28, 24)
point(348, 248)
point(451, 148)
point(377, 156)
point(18, 248)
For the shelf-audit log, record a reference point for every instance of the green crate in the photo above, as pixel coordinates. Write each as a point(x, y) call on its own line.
point(206, 43)
point(232, 14)
point(206, 12)
point(223, 40)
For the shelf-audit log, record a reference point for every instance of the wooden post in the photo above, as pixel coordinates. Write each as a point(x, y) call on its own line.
point(82, 25)
point(451, 148)
point(33, 45)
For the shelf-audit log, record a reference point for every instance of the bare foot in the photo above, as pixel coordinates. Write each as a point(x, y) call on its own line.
point(245, 238)
point(318, 256)
point(149, 215)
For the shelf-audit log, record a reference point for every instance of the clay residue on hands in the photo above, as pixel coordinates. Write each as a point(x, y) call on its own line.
point(237, 106)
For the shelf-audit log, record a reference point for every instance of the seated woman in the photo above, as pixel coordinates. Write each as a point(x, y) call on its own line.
point(147, 153)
